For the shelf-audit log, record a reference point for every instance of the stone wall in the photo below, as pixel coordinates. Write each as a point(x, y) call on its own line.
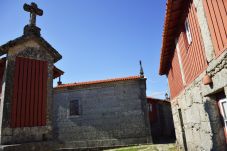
point(111, 114)
point(202, 124)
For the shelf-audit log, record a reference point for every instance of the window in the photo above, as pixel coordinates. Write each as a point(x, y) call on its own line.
point(188, 32)
point(74, 107)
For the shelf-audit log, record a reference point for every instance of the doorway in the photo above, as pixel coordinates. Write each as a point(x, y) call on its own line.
point(222, 104)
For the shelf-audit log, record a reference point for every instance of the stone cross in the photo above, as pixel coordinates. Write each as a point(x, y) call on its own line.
point(34, 10)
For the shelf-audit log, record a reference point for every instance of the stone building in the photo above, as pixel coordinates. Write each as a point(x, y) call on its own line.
point(161, 120)
point(194, 58)
point(102, 113)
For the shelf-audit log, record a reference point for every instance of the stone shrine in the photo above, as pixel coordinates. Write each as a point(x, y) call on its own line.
point(27, 74)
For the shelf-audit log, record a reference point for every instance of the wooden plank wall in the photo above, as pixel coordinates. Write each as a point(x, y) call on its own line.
point(193, 55)
point(152, 114)
point(29, 93)
point(216, 14)
point(174, 77)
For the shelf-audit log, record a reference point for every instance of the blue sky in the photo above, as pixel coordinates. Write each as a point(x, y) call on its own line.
point(98, 39)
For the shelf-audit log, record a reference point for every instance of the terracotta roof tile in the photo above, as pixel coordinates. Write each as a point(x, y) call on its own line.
point(99, 81)
point(161, 101)
point(57, 72)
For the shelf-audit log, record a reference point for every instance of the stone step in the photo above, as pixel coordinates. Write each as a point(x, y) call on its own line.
point(151, 147)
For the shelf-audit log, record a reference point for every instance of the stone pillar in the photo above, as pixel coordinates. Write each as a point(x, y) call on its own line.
point(207, 41)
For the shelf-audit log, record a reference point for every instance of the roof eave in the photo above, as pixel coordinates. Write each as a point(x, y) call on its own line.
point(5, 47)
point(107, 81)
point(173, 8)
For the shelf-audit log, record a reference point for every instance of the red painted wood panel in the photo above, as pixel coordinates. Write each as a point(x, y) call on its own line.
point(32, 101)
point(29, 93)
point(35, 122)
point(174, 77)
point(44, 102)
point(40, 93)
point(216, 14)
point(19, 94)
point(23, 97)
point(152, 114)
point(223, 11)
point(193, 55)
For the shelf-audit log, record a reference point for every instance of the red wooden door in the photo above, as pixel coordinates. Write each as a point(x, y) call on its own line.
point(29, 93)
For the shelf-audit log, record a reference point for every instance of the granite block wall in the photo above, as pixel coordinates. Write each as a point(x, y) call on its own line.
point(111, 114)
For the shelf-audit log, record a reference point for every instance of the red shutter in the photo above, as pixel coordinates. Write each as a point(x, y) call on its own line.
point(29, 93)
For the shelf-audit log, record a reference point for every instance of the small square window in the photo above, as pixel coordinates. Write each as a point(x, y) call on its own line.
point(74, 108)
point(188, 32)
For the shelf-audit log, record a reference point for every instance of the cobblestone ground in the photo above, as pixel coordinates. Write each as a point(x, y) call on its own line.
point(154, 147)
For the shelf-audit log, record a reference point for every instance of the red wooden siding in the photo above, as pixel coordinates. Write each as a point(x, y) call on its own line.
point(29, 93)
point(193, 55)
point(216, 13)
point(152, 114)
point(174, 77)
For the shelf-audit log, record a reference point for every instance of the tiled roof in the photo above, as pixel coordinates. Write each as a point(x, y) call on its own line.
point(57, 72)
point(151, 98)
point(174, 17)
point(99, 81)
point(161, 101)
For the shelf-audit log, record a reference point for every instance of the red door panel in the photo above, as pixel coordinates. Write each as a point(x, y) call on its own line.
point(29, 93)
